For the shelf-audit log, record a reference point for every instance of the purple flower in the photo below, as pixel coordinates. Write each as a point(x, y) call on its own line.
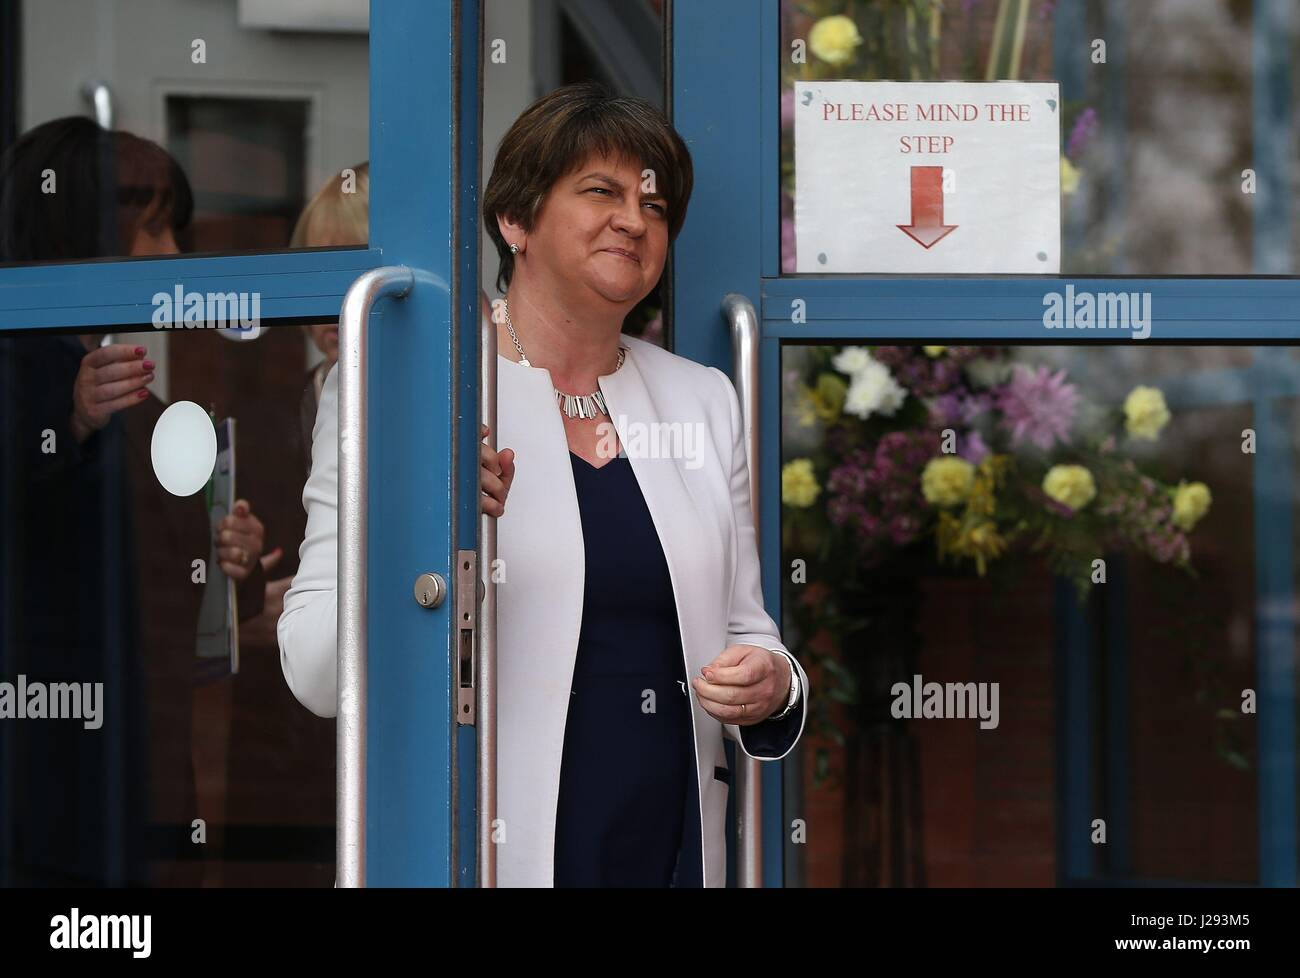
point(1085, 127)
point(1038, 406)
point(946, 410)
point(972, 448)
point(874, 493)
point(837, 510)
point(974, 406)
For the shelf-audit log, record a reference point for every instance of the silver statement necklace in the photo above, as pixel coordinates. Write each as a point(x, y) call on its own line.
point(573, 405)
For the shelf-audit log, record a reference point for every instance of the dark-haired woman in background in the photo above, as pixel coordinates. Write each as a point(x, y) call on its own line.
point(99, 556)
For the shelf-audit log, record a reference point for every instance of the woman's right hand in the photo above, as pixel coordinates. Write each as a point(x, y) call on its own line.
point(498, 471)
point(111, 378)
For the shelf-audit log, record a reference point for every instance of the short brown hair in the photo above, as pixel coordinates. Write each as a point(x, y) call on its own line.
point(558, 133)
point(111, 184)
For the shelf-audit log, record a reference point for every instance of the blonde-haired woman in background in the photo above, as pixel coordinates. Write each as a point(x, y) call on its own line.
point(337, 216)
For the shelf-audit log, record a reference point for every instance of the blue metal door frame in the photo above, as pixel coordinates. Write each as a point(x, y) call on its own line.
point(424, 105)
point(725, 101)
point(424, 60)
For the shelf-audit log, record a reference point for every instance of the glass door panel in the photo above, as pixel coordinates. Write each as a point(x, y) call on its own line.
point(143, 742)
point(257, 107)
point(150, 737)
point(1036, 538)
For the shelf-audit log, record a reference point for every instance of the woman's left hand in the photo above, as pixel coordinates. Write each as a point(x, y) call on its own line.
point(744, 675)
point(239, 541)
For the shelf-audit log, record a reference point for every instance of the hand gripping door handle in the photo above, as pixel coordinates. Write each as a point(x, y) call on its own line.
point(393, 281)
point(743, 324)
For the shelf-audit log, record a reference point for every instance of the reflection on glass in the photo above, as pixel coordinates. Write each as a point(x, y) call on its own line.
point(257, 113)
point(153, 740)
point(246, 159)
point(1022, 569)
point(1160, 171)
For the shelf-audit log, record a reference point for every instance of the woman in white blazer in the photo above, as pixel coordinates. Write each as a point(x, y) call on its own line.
point(628, 555)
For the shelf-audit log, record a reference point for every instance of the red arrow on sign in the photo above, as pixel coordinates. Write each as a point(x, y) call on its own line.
point(927, 228)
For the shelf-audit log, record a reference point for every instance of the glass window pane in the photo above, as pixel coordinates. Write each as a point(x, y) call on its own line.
point(184, 126)
point(161, 758)
point(1016, 568)
point(1172, 162)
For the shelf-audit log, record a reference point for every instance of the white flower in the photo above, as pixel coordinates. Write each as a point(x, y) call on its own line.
point(873, 390)
point(852, 360)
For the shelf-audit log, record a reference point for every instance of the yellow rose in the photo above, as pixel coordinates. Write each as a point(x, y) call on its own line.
point(1145, 412)
point(1191, 502)
point(828, 397)
point(1070, 485)
point(934, 351)
point(799, 484)
point(1069, 177)
point(833, 39)
point(947, 480)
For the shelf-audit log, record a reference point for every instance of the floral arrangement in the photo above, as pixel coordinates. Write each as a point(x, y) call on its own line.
point(977, 452)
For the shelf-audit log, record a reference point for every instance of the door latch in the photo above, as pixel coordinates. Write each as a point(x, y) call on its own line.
point(467, 596)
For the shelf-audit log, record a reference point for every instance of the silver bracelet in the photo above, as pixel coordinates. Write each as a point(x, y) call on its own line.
point(794, 686)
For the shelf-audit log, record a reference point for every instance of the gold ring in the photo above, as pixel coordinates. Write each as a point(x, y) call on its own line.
point(742, 709)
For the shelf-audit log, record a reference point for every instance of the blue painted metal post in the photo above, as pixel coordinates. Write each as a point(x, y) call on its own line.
point(1114, 126)
point(466, 356)
point(1119, 840)
point(414, 50)
point(1073, 645)
point(1275, 630)
point(1273, 136)
point(1273, 142)
point(725, 106)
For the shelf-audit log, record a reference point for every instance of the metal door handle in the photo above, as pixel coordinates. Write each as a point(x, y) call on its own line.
point(391, 281)
point(743, 324)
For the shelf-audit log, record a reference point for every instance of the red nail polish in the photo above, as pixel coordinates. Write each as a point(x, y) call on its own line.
point(139, 351)
point(148, 365)
point(142, 393)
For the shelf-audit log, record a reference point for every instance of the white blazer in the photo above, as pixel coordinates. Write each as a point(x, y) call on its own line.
point(679, 423)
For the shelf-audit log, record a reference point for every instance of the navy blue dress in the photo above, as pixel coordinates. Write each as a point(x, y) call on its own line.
point(627, 813)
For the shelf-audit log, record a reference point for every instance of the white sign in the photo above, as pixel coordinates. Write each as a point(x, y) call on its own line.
point(916, 177)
